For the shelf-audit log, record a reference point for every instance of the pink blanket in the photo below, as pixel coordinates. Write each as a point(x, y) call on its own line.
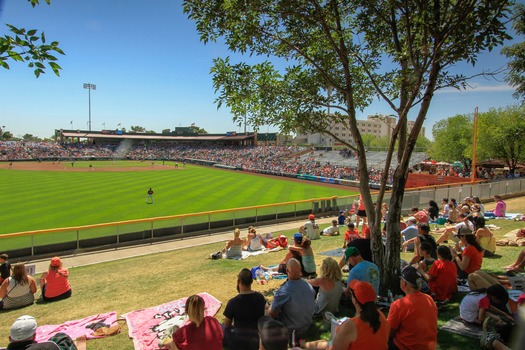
point(76, 328)
point(147, 326)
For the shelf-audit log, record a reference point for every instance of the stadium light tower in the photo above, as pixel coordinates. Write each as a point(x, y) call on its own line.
point(89, 87)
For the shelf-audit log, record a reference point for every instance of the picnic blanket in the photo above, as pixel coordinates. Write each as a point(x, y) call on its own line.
point(457, 326)
point(147, 326)
point(335, 252)
point(77, 328)
point(247, 254)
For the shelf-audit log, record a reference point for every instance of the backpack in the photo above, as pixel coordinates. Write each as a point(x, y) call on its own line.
point(216, 255)
point(254, 271)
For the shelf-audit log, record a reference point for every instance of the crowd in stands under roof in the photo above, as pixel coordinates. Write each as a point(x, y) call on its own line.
point(269, 159)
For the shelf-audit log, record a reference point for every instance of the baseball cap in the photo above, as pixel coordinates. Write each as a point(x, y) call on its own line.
point(363, 291)
point(411, 275)
point(351, 251)
point(467, 199)
point(311, 216)
point(274, 334)
point(298, 237)
point(55, 261)
point(341, 211)
point(23, 328)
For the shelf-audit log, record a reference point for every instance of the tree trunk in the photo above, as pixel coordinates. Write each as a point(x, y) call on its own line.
point(392, 258)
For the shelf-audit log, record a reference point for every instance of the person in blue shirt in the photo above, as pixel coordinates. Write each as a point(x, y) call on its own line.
point(362, 270)
point(341, 218)
point(293, 304)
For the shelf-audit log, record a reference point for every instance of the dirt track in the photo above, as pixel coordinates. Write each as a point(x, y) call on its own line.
point(65, 166)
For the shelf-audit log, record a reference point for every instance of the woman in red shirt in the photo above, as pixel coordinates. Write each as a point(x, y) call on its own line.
point(54, 283)
point(203, 332)
point(471, 257)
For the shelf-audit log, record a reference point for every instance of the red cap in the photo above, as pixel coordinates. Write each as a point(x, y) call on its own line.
point(55, 261)
point(363, 291)
point(311, 216)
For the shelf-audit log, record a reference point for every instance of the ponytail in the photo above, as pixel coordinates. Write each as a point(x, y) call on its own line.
point(370, 314)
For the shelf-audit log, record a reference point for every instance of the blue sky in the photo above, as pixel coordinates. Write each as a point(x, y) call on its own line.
point(150, 69)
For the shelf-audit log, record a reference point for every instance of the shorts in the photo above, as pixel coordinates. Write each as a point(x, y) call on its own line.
point(361, 213)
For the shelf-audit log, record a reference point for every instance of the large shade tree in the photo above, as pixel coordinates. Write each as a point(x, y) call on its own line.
point(29, 46)
point(515, 53)
point(341, 55)
point(502, 132)
point(453, 140)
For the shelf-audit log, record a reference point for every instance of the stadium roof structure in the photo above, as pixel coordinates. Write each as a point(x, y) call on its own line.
point(152, 137)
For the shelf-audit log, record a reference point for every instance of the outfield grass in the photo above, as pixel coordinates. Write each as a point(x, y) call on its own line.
point(51, 199)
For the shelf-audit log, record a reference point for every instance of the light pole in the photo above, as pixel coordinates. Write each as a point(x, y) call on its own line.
point(90, 87)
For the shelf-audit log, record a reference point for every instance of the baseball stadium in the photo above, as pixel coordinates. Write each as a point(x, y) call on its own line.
point(86, 196)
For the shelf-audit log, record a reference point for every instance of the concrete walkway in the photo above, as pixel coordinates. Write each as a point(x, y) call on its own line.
point(105, 255)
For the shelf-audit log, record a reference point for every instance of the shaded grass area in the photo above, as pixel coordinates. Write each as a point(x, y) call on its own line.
point(146, 281)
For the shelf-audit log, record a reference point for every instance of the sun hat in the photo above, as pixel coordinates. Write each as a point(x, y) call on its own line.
point(311, 216)
point(351, 251)
point(23, 328)
point(274, 334)
point(464, 231)
point(363, 291)
point(55, 261)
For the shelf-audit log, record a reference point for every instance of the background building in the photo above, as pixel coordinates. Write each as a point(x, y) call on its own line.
point(376, 125)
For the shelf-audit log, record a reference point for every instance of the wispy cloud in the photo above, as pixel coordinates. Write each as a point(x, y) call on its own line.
point(478, 88)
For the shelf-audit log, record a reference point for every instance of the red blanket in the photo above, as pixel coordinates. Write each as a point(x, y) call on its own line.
point(147, 326)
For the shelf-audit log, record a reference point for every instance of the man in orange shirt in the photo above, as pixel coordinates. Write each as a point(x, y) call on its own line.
point(413, 318)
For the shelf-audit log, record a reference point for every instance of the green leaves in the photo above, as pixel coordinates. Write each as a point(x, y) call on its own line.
point(28, 46)
point(502, 132)
point(516, 53)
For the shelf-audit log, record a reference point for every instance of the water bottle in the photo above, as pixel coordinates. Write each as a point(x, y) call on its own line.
point(266, 277)
point(260, 276)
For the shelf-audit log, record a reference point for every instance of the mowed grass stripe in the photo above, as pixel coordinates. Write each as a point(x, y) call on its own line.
point(61, 199)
